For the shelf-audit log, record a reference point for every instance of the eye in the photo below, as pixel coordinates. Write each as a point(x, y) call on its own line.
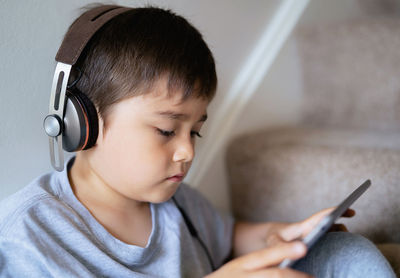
point(165, 133)
point(168, 133)
point(195, 133)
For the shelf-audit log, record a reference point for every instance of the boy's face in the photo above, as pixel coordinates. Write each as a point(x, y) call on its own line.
point(133, 157)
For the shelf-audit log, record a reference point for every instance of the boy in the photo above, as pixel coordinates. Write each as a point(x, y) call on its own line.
point(119, 209)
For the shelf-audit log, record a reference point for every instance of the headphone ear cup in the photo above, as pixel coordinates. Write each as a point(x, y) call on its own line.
point(81, 123)
point(93, 120)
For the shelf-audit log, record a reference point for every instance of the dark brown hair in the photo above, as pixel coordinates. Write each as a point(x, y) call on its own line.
point(136, 48)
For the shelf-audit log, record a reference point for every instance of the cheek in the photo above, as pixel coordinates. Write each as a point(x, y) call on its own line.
point(134, 154)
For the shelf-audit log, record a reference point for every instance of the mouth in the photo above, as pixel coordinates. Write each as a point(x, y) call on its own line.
point(178, 177)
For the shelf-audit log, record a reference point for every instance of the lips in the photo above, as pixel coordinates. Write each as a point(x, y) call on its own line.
point(177, 177)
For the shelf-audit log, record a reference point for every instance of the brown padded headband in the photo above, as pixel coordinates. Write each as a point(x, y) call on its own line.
point(83, 29)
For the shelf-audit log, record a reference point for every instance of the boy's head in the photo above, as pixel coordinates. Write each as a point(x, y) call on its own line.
point(151, 77)
point(139, 47)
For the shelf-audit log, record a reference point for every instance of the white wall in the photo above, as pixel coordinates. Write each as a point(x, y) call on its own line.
point(278, 99)
point(30, 34)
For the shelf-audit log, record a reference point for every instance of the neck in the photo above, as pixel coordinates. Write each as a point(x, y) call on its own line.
point(89, 187)
point(117, 213)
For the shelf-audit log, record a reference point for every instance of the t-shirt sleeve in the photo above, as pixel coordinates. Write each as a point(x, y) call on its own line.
point(214, 228)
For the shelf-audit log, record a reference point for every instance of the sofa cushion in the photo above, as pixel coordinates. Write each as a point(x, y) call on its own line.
point(290, 173)
point(392, 253)
point(350, 73)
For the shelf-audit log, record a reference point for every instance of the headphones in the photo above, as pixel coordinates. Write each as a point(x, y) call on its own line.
point(72, 122)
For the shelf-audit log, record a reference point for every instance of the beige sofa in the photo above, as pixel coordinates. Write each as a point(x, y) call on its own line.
point(288, 174)
point(349, 131)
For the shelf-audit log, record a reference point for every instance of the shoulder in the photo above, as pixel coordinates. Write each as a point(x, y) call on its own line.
point(215, 228)
point(197, 206)
point(24, 207)
point(36, 231)
point(189, 197)
point(185, 190)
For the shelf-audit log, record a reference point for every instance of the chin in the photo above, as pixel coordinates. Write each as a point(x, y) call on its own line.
point(165, 194)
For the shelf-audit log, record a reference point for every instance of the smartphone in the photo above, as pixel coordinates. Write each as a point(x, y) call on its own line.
point(325, 224)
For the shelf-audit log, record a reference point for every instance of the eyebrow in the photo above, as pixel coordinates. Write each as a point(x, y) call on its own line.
point(179, 116)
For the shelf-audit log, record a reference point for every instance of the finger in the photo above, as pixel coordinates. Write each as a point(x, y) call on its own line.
point(338, 228)
point(272, 256)
point(308, 224)
point(274, 239)
point(291, 232)
point(277, 272)
point(349, 213)
point(301, 229)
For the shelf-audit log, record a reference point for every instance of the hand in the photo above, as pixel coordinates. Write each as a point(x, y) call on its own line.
point(254, 236)
point(299, 230)
point(263, 263)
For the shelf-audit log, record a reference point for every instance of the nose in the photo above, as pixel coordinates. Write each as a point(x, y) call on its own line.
point(184, 151)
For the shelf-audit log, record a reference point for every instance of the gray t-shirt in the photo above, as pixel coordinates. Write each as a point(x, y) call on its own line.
point(46, 232)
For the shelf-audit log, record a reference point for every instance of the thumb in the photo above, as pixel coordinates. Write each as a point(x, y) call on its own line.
point(301, 229)
point(309, 223)
point(292, 232)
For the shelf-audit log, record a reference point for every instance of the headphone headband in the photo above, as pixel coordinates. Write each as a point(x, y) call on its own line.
point(83, 29)
point(75, 40)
